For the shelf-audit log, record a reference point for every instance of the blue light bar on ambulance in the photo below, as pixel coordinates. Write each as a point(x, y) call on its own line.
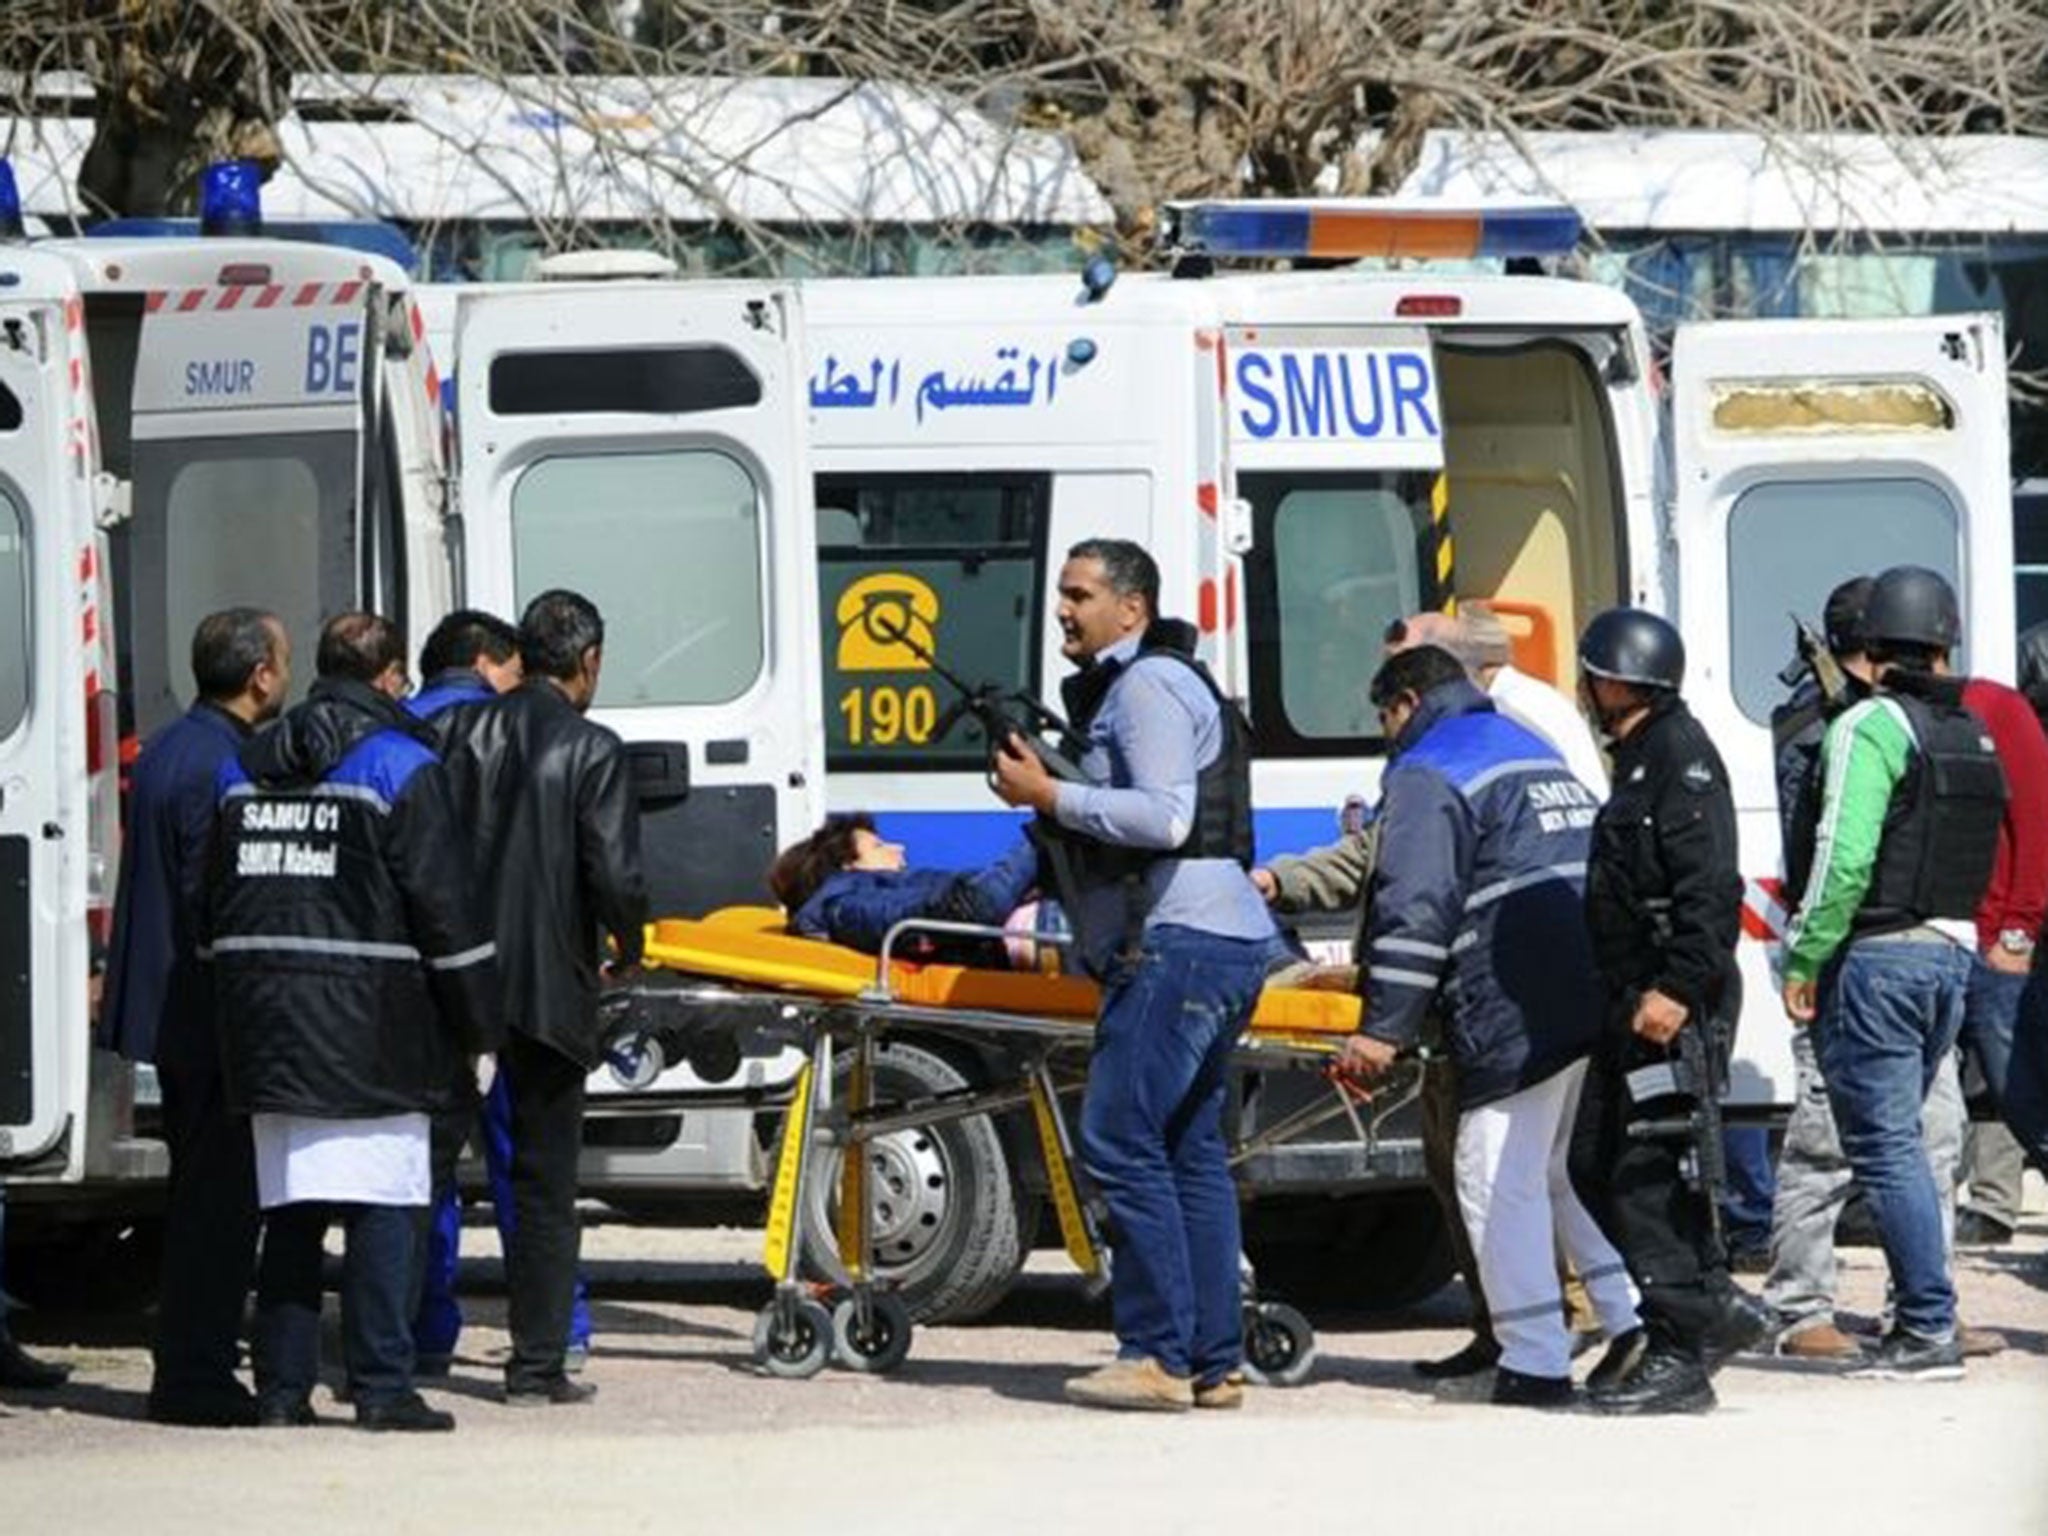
point(10, 204)
point(231, 198)
point(1352, 229)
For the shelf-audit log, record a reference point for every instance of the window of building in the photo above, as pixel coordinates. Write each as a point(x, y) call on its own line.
point(668, 545)
point(1335, 559)
point(950, 563)
point(1791, 542)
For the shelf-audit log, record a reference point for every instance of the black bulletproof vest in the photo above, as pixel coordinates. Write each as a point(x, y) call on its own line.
point(1223, 791)
point(1941, 828)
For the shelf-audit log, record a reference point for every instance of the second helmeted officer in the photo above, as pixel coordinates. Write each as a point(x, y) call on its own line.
point(1664, 905)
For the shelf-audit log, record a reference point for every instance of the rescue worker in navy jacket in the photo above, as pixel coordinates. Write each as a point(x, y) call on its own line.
point(1664, 904)
point(1476, 894)
point(158, 1008)
point(557, 839)
point(354, 973)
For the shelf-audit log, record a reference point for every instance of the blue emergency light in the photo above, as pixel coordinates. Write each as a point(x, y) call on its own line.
point(231, 198)
point(10, 204)
point(1352, 229)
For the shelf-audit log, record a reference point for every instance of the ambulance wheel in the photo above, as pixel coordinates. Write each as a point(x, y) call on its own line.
point(880, 1346)
point(1279, 1345)
point(945, 1205)
point(795, 1348)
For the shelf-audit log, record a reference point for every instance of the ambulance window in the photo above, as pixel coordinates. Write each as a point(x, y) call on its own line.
point(646, 381)
point(242, 532)
point(1791, 542)
point(1335, 559)
point(668, 545)
point(957, 561)
point(14, 591)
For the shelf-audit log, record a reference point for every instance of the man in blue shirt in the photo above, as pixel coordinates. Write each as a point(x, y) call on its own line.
point(1156, 843)
point(159, 1008)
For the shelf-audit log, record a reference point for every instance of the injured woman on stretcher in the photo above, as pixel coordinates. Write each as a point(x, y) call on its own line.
point(846, 884)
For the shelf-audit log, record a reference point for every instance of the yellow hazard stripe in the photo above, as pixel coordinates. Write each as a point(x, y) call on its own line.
point(782, 1213)
point(1440, 522)
point(853, 1180)
point(1074, 1232)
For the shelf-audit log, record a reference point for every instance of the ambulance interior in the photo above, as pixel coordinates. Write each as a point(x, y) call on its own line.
point(1531, 506)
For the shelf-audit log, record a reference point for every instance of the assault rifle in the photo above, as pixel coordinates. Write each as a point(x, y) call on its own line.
point(1001, 713)
point(1813, 656)
point(1698, 1073)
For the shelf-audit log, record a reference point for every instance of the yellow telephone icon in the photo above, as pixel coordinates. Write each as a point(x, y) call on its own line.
point(877, 608)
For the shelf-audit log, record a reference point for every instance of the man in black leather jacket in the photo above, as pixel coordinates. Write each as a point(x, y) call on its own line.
point(558, 848)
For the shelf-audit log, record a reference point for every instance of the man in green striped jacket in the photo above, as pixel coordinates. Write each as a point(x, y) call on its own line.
point(1878, 959)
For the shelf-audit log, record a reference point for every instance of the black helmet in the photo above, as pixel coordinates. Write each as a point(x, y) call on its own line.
point(1629, 645)
point(1843, 618)
point(1911, 605)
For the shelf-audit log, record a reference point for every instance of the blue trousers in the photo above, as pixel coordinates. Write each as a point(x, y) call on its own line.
point(437, 1324)
point(1152, 1141)
point(1890, 1010)
point(376, 1270)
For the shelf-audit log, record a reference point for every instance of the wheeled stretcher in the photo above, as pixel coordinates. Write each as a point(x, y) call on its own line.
point(734, 983)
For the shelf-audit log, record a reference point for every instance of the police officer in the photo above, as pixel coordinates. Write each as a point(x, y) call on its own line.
point(1664, 903)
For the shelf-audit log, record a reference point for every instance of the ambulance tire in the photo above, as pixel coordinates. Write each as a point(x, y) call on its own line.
point(949, 1238)
point(1373, 1252)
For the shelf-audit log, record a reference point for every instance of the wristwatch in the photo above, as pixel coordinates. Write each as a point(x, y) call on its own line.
point(2016, 941)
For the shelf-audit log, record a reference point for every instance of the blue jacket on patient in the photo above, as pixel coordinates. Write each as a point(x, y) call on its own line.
point(858, 907)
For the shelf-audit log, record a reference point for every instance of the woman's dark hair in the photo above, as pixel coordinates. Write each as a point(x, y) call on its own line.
point(802, 867)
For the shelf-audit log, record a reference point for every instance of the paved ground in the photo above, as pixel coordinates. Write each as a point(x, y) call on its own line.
point(971, 1434)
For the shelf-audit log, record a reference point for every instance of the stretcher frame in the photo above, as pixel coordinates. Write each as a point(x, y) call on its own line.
point(867, 1327)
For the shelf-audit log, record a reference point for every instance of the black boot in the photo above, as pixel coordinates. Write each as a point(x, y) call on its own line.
point(1663, 1381)
point(1623, 1353)
point(1742, 1324)
point(409, 1412)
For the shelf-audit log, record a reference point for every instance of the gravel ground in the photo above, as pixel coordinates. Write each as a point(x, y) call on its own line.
point(971, 1434)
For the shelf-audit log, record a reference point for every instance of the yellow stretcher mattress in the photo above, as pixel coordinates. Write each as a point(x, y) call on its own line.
point(749, 944)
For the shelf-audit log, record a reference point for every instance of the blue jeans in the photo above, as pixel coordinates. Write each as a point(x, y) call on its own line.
point(438, 1323)
point(1752, 1186)
point(2025, 1101)
point(1890, 1010)
point(1152, 1140)
point(376, 1279)
point(1990, 1020)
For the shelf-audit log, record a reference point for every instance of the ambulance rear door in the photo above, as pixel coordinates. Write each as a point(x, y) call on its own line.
point(643, 444)
point(1335, 446)
point(46, 649)
point(249, 458)
point(1805, 453)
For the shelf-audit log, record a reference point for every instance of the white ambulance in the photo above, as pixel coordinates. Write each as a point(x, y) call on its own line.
point(185, 424)
point(1309, 455)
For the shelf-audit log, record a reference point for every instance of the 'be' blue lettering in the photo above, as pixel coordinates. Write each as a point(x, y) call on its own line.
point(334, 359)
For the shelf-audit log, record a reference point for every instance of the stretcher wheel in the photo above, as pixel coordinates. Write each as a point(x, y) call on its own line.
point(796, 1346)
point(879, 1347)
point(1279, 1345)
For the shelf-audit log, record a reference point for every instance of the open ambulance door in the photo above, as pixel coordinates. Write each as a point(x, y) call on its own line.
point(643, 444)
point(250, 463)
point(45, 565)
point(1335, 446)
point(1805, 453)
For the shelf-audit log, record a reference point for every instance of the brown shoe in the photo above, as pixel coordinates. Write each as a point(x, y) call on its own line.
point(1142, 1386)
point(1228, 1392)
point(1821, 1341)
point(1979, 1343)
